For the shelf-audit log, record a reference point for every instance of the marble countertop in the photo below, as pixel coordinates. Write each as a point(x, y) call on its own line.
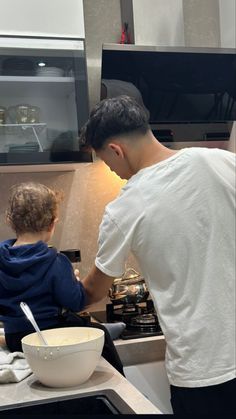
point(104, 377)
point(141, 350)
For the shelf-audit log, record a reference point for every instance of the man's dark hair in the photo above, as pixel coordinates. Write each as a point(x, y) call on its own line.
point(112, 117)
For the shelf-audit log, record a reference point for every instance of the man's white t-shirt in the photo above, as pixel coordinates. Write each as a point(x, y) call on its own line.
point(178, 219)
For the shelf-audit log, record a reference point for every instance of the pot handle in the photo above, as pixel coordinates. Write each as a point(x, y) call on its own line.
point(130, 271)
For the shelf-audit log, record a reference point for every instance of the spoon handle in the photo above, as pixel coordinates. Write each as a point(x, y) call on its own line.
point(25, 308)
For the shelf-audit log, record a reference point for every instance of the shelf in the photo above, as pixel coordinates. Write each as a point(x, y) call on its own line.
point(36, 79)
point(39, 168)
point(15, 86)
point(23, 126)
point(12, 129)
point(43, 162)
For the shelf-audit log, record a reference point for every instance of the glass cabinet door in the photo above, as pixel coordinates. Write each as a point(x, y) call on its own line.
point(43, 100)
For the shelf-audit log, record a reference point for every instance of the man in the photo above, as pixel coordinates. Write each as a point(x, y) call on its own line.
point(177, 215)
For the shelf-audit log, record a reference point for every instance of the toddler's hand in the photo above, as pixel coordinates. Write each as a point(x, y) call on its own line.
point(77, 274)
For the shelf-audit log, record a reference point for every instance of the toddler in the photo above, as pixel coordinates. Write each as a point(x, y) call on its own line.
point(32, 272)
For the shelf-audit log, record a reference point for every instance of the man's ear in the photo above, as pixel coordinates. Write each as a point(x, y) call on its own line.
point(117, 148)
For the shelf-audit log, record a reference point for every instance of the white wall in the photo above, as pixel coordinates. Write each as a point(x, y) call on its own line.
point(158, 22)
point(57, 18)
point(228, 23)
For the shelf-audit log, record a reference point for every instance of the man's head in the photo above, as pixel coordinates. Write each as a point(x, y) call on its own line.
point(33, 208)
point(115, 127)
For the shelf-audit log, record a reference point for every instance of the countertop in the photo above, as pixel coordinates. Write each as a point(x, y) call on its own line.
point(104, 377)
point(141, 350)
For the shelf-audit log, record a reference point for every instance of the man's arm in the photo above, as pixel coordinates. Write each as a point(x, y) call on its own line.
point(96, 285)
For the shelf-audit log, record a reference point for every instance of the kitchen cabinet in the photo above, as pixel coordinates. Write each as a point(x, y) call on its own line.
point(47, 18)
point(144, 367)
point(43, 101)
point(151, 380)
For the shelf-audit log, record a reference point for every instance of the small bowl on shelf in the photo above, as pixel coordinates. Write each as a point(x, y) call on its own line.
point(50, 72)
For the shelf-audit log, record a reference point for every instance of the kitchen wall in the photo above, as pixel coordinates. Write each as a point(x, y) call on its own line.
point(102, 25)
point(87, 191)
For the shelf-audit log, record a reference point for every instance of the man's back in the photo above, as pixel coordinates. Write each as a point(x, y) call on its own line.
point(180, 223)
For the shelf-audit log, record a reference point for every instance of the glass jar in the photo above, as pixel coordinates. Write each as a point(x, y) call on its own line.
point(2, 115)
point(33, 115)
point(22, 114)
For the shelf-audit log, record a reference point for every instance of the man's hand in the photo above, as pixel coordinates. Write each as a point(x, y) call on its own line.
point(96, 285)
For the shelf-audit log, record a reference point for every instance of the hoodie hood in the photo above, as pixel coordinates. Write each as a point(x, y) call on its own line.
point(22, 266)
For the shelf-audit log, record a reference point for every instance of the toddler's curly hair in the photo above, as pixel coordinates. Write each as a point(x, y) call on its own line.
point(32, 207)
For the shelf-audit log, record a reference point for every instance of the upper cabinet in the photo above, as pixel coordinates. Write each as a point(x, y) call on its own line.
point(47, 18)
point(43, 100)
point(43, 83)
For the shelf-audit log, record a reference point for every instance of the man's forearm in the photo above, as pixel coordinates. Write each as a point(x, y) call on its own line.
point(96, 285)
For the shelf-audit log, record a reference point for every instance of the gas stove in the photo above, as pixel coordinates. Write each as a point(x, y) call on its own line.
point(140, 319)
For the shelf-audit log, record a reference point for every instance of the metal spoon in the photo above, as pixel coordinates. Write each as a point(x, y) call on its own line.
point(25, 308)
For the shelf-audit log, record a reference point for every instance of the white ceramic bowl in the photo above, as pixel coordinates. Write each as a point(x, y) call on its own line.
point(69, 359)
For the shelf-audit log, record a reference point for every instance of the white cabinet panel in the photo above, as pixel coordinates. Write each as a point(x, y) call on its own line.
point(57, 18)
point(151, 379)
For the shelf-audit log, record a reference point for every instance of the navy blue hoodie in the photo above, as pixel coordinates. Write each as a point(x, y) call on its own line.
point(42, 278)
